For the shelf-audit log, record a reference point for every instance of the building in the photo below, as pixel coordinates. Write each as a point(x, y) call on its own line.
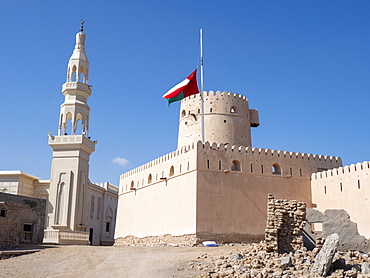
point(78, 211)
point(21, 220)
point(215, 190)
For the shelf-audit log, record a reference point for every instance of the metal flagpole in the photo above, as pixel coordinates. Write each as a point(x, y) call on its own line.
point(201, 81)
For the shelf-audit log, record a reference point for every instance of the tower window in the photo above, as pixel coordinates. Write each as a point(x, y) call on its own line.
point(210, 110)
point(235, 166)
point(358, 184)
point(341, 187)
point(233, 110)
point(224, 121)
point(276, 170)
point(207, 163)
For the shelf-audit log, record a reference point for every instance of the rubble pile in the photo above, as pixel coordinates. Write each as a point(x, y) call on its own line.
point(254, 261)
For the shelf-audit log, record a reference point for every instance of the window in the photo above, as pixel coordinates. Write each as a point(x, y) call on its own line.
point(276, 170)
point(132, 187)
point(3, 212)
point(358, 184)
point(150, 179)
point(107, 227)
point(207, 163)
point(183, 113)
point(219, 165)
point(262, 169)
point(27, 232)
point(92, 206)
point(235, 166)
point(341, 187)
point(233, 110)
point(172, 171)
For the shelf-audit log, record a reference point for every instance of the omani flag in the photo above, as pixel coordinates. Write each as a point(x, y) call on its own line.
point(184, 89)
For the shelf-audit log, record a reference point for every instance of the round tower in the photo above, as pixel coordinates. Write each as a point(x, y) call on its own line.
point(227, 119)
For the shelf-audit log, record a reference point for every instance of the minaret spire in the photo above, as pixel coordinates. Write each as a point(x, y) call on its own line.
point(82, 25)
point(74, 112)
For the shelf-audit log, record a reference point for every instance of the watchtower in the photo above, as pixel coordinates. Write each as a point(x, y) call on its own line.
point(227, 119)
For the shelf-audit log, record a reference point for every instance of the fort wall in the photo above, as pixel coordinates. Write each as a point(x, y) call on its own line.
point(216, 191)
point(234, 182)
point(345, 188)
point(159, 197)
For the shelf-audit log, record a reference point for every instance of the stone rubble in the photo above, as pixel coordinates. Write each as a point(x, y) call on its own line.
point(253, 261)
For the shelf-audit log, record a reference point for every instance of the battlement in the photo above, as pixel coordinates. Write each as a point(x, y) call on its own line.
point(267, 152)
point(226, 158)
point(343, 171)
point(159, 161)
point(211, 95)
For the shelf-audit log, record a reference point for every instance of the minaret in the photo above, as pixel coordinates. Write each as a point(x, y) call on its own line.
point(71, 147)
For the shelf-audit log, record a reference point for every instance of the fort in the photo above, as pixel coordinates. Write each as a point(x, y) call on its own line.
point(213, 191)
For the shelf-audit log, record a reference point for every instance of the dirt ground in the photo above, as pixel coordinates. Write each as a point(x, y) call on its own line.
point(98, 261)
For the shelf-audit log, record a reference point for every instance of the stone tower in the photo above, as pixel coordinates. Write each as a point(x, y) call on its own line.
point(227, 119)
point(71, 147)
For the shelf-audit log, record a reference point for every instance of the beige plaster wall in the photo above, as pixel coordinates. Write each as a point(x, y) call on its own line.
point(160, 207)
point(345, 188)
point(236, 201)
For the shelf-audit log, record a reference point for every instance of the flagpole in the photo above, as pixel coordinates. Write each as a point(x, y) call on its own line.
point(202, 81)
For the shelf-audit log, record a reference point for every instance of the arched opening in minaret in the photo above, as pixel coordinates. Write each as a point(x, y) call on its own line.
point(68, 124)
point(78, 125)
point(81, 75)
point(73, 75)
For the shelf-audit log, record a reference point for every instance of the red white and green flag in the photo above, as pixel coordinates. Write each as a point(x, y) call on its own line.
point(184, 89)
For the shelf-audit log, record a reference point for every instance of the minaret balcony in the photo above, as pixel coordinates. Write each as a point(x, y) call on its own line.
point(71, 142)
point(76, 88)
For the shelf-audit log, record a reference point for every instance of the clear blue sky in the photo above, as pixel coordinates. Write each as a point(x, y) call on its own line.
point(305, 65)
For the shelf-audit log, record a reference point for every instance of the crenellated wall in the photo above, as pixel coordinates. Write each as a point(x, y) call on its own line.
point(227, 119)
point(234, 182)
point(159, 197)
point(215, 191)
point(345, 188)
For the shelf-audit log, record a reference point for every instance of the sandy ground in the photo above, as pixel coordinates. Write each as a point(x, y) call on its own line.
point(98, 261)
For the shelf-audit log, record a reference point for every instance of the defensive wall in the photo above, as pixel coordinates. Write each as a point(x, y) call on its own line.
point(159, 197)
point(215, 191)
point(227, 119)
point(345, 188)
point(234, 182)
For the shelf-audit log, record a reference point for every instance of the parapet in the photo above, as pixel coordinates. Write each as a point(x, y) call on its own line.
point(267, 152)
point(342, 171)
point(159, 161)
point(211, 95)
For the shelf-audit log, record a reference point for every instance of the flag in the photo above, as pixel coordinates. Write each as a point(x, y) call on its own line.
point(184, 89)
